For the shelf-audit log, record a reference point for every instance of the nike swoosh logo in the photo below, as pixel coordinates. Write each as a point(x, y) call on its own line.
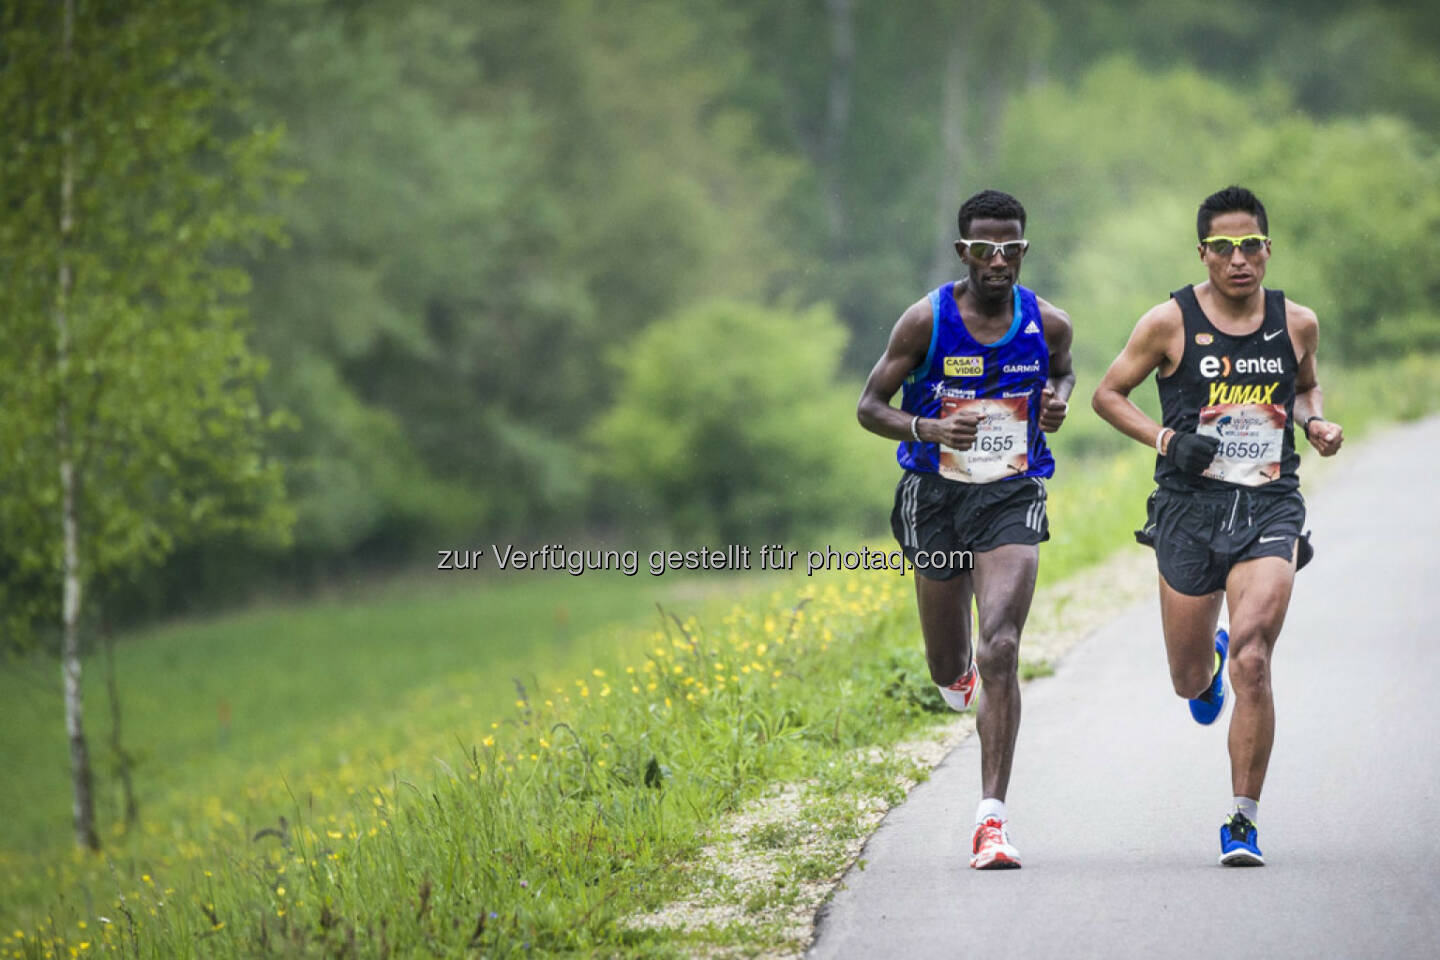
point(1272, 539)
point(1272, 335)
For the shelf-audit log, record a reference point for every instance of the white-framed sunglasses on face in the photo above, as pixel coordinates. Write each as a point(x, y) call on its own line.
point(986, 249)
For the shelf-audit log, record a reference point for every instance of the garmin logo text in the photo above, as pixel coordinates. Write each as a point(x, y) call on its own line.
point(1022, 367)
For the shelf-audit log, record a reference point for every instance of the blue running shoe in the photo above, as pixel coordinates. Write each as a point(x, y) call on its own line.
point(1238, 843)
point(1206, 707)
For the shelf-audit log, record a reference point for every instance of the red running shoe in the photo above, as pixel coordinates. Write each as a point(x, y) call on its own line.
point(962, 693)
point(991, 847)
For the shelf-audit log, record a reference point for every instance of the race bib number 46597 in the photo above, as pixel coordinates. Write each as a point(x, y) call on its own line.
point(1250, 437)
point(1001, 446)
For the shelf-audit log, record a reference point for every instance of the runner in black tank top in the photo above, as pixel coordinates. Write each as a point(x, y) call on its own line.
point(1246, 386)
point(1236, 374)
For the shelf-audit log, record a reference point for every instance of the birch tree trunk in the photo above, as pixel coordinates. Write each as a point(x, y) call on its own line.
point(84, 806)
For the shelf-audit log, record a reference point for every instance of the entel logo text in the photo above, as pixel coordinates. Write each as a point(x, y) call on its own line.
point(1212, 366)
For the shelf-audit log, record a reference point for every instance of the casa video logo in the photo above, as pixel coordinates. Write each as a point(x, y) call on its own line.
point(1212, 366)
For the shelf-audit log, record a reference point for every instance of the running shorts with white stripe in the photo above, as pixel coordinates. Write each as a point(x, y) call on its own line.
point(933, 515)
point(1199, 536)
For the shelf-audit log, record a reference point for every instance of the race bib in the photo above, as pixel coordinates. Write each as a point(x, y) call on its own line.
point(1250, 437)
point(1001, 446)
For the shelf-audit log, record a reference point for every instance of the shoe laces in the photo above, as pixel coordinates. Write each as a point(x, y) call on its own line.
point(990, 831)
point(1240, 827)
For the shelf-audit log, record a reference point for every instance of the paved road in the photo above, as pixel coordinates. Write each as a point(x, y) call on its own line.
point(1117, 796)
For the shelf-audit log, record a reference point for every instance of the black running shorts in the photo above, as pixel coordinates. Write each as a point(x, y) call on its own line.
point(1199, 536)
point(939, 517)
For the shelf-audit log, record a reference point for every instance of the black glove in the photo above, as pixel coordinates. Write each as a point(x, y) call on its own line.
point(1191, 453)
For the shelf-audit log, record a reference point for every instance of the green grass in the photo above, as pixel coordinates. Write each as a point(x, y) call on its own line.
point(431, 806)
point(291, 679)
point(534, 819)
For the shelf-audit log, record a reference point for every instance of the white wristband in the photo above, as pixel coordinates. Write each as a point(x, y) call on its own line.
point(913, 432)
point(1159, 437)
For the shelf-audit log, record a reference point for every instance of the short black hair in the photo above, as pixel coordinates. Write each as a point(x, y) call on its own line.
point(1230, 200)
point(990, 205)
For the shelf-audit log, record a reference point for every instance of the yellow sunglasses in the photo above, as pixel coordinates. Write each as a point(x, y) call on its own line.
point(1224, 246)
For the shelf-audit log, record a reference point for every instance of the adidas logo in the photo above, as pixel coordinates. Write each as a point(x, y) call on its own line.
point(1031, 328)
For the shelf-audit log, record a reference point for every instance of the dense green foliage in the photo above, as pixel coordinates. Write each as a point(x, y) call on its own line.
point(724, 427)
point(501, 202)
point(495, 204)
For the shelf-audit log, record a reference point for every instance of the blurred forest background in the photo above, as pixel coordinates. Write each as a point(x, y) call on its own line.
point(613, 272)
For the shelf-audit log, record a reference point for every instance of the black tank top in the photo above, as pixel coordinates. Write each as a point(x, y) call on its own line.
point(1240, 390)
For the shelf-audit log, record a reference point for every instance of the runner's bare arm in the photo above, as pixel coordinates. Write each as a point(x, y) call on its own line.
point(909, 343)
point(1324, 436)
point(1060, 381)
point(1157, 342)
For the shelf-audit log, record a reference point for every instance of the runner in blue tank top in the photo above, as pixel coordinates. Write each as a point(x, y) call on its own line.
point(985, 369)
point(1235, 366)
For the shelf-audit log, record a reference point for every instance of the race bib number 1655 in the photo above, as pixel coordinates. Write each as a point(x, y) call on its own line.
point(1001, 446)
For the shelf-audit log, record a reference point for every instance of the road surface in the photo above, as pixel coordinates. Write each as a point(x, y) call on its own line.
point(1117, 795)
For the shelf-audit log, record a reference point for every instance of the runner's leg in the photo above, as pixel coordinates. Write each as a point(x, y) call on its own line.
point(945, 623)
point(1259, 595)
point(1189, 626)
point(1004, 587)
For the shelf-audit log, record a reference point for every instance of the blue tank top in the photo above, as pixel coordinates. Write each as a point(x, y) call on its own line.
point(959, 368)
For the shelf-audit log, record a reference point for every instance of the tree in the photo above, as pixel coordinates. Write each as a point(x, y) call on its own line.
point(493, 195)
point(729, 424)
point(131, 420)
